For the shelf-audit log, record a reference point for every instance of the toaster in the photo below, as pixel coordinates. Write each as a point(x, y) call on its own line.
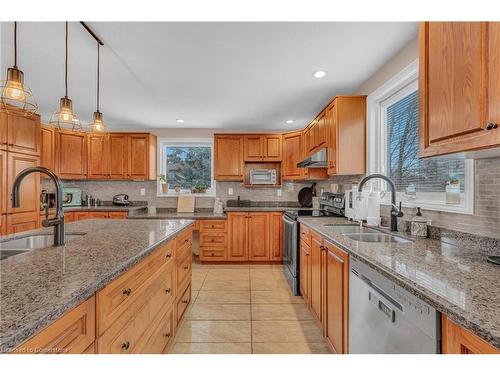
point(121, 200)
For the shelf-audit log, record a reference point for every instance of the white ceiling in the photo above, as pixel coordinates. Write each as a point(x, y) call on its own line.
point(212, 75)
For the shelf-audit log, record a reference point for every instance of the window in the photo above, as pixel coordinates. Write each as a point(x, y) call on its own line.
point(444, 184)
point(187, 167)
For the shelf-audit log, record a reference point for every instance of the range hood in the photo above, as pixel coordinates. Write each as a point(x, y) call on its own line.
point(317, 160)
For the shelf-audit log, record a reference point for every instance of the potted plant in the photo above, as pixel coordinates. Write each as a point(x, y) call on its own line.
point(163, 183)
point(199, 188)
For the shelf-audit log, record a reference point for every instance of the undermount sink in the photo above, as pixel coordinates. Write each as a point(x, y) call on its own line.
point(376, 237)
point(28, 243)
point(350, 228)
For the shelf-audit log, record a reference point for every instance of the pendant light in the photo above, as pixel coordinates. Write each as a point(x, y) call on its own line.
point(13, 91)
point(65, 118)
point(98, 126)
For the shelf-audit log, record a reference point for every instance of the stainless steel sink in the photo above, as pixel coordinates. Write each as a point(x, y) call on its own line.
point(28, 243)
point(350, 228)
point(376, 237)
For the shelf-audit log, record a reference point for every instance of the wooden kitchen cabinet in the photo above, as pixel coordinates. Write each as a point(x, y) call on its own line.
point(228, 155)
point(142, 156)
point(316, 276)
point(213, 240)
point(292, 154)
point(81, 215)
point(258, 236)
point(237, 236)
point(23, 133)
point(48, 148)
point(275, 236)
point(71, 154)
point(458, 340)
point(459, 87)
point(336, 297)
point(262, 147)
point(117, 214)
point(305, 271)
point(69, 217)
point(98, 157)
point(3, 183)
point(118, 160)
point(98, 215)
point(253, 147)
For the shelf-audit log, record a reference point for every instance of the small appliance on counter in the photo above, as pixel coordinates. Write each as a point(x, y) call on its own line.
point(72, 197)
point(262, 176)
point(356, 205)
point(121, 200)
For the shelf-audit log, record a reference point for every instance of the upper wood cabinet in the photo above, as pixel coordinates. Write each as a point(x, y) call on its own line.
point(262, 147)
point(292, 154)
point(459, 86)
point(19, 133)
point(98, 156)
point(228, 155)
point(142, 156)
point(458, 340)
point(48, 148)
point(118, 160)
point(3, 182)
point(346, 127)
point(29, 192)
point(71, 154)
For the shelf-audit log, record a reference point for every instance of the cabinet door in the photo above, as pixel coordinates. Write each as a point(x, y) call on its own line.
point(228, 156)
point(69, 217)
point(3, 182)
point(320, 134)
point(118, 159)
point(138, 156)
point(275, 236)
point(292, 154)
point(336, 270)
point(272, 147)
point(305, 271)
point(22, 222)
point(48, 148)
point(253, 148)
point(453, 68)
point(24, 134)
point(98, 157)
point(71, 155)
point(458, 340)
point(316, 251)
point(98, 215)
point(331, 131)
point(4, 121)
point(312, 137)
point(258, 236)
point(30, 186)
point(81, 215)
point(238, 238)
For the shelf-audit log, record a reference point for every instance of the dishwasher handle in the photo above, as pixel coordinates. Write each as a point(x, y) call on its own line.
point(382, 307)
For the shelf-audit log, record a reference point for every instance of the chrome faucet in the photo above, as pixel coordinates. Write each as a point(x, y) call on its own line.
point(395, 211)
point(58, 221)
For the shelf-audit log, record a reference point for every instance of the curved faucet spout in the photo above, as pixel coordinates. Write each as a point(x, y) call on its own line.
point(58, 221)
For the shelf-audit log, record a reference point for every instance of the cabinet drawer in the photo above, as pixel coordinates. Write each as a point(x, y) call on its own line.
point(73, 333)
point(305, 234)
point(98, 215)
point(213, 225)
point(117, 296)
point(162, 334)
point(212, 253)
point(212, 239)
point(183, 252)
point(183, 271)
point(118, 214)
point(184, 238)
point(129, 333)
point(183, 303)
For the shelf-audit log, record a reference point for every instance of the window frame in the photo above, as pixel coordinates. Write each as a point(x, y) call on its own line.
point(397, 87)
point(184, 142)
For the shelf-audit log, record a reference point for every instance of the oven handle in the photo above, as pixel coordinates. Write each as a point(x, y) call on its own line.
point(288, 221)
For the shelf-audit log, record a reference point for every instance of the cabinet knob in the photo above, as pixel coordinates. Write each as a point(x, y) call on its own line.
point(168, 290)
point(127, 291)
point(186, 267)
point(169, 255)
point(126, 345)
point(213, 254)
point(491, 126)
point(185, 301)
point(168, 334)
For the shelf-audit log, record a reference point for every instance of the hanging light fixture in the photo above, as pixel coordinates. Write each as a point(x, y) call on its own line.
point(65, 118)
point(13, 91)
point(98, 126)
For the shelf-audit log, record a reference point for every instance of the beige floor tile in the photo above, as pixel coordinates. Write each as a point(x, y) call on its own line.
point(205, 311)
point(229, 266)
point(217, 296)
point(289, 311)
point(200, 272)
point(226, 285)
point(268, 284)
point(290, 348)
point(197, 282)
point(215, 331)
point(211, 348)
point(261, 266)
point(229, 274)
point(274, 296)
point(286, 331)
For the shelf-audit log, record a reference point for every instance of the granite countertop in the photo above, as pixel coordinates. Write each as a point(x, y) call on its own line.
point(171, 213)
point(456, 280)
point(110, 207)
point(265, 208)
point(39, 286)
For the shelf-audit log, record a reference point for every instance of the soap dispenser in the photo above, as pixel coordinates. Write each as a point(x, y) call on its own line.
point(419, 225)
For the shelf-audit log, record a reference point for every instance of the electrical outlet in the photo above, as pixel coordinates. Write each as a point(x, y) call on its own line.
point(230, 191)
point(143, 191)
point(279, 192)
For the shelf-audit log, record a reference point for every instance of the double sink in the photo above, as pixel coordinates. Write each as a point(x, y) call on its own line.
point(36, 241)
point(364, 234)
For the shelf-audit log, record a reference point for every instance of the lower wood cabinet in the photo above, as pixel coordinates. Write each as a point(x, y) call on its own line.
point(315, 277)
point(458, 340)
point(82, 215)
point(258, 236)
point(138, 312)
point(305, 270)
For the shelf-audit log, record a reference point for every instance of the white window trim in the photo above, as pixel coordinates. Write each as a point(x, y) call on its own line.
point(376, 142)
point(165, 142)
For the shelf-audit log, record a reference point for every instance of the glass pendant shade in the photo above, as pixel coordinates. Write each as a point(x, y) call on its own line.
point(98, 126)
point(65, 118)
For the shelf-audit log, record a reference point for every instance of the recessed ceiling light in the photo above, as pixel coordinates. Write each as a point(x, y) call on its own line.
point(320, 74)
point(289, 121)
point(179, 121)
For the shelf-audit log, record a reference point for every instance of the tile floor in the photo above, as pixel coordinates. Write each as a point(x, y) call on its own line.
point(246, 309)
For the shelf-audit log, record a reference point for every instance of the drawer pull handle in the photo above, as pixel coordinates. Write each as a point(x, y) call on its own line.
point(186, 267)
point(168, 290)
point(213, 254)
point(185, 301)
point(491, 125)
point(126, 345)
point(127, 291)
point(186, 240)
point(212, 240)
point(167, 334)
point(169, 255)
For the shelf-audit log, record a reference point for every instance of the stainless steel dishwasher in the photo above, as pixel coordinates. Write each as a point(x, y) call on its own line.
point(385, 318)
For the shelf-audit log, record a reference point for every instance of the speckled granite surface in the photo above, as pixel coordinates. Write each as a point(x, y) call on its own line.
point(39, 286)
point(168, 213)
point(264, 208)
point(458, 281)
point(105, 208)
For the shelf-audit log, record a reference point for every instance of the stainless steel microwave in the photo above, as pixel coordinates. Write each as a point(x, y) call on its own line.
point(262, 176)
